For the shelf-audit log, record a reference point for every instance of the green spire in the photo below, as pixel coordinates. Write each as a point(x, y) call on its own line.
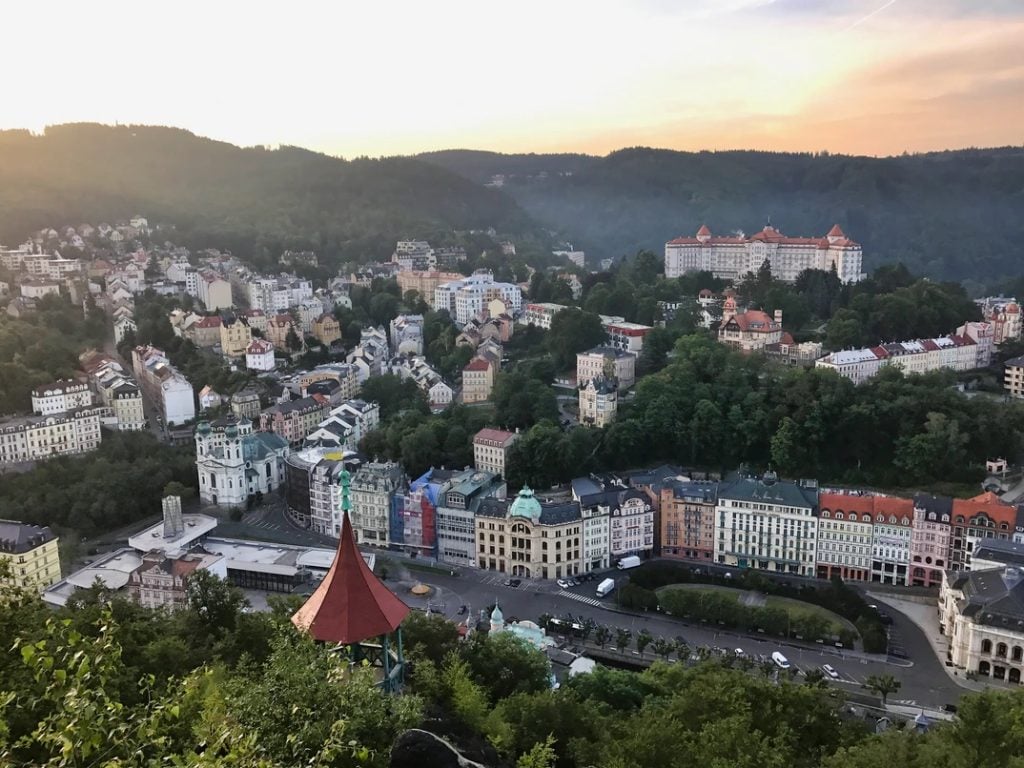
point(344, 480)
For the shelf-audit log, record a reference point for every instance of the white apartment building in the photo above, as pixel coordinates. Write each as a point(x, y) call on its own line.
point(491, 448)
point(631, 525)
point(118, 391)
point(32, 438)
point(845, 536)
point(62, 395)
point(767, 524)
point(406, 335)
point(468, 297)
point(541, 314)
point(214, 291)
point(956, 352)
point(373, 487)
point(36, 288)
point(259, 355)
point(164, 385)
point(309, 310)
point(732, 256)
point(891, 540)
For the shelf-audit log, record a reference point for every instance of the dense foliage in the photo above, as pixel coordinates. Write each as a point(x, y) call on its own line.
point(107, 683)
point(44, 346)
point(119, 483)
point(255, 202)
point(948, 215)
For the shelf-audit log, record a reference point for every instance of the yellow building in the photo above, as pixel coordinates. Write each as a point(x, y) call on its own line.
point(530, 539)
point(477, 380)
point(235, 337)
point(327, 329)
point(28, 555)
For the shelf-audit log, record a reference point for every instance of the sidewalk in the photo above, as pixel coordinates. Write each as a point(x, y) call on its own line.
point(924, 617)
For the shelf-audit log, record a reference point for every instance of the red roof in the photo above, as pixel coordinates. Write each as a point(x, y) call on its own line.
point(499, 436)
point(208, 322)
point(478, 364)
point(351, 604)
point(767, 235)
point(835, 232)
point(703, 231)
point(755, 321)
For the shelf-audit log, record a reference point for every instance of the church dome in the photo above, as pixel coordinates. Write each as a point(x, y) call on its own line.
point(496, 615)
point(525, 505)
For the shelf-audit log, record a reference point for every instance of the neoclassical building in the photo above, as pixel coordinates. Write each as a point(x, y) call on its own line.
point(233, 462)
point(981, 613)
point(528, 538)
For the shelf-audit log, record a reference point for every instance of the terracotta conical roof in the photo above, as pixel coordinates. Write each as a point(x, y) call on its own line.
point(835, 231)
point(351, 604)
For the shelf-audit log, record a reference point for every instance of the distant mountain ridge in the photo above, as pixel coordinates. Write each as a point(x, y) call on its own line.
point(949, 215)
point(242, 199)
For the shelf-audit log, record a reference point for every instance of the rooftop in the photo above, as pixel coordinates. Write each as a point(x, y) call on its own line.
point(19, 537)
point(499, 437)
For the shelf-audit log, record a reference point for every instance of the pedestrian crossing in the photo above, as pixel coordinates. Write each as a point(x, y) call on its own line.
point(581, 598)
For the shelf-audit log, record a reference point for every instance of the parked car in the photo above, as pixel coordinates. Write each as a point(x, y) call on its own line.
point(508, 582)
point(830, 671)
point(573, 582)
point(951, 708)
point(562, 583)
point(516, 582)
point(462, 610)
point(739, 652)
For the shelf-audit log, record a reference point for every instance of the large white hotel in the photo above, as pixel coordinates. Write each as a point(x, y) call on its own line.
point(732, 256)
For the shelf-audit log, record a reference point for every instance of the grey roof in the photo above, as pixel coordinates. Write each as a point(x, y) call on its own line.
point(490, 507)
point(608, 352)
point(1000, 551)
point(703, 492)
point(303, 403)
point(757, 490)
point(655, 475)
point(584, 486)
point(259, 445)
point(558, 513)
point(21, 537)
point(993, 597)
point(940, 505)
point(1016, 362)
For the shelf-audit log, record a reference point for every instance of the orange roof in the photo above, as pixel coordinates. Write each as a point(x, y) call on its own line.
point(847, 502)
point(703, 231)
point(351, 604)
point(755, 321)
point(835, 232)
point(989, 504)
point(893, 505)
point(478, 364)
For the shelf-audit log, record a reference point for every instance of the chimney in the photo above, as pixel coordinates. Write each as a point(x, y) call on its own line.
point(778, 316)
point(174, 525)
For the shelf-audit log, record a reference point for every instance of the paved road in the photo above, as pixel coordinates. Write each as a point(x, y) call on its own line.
point(924, 680)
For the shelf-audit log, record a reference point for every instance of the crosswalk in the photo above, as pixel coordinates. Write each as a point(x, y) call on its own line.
point(581, 598)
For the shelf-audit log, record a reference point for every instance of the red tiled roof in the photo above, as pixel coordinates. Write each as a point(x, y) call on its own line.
point(767, 235)
point(988, 503)
point(755, 317)
point(208, 322)
point(847, 503)
point(786, 338)
point(499, 436)
point(893, 505)
point(351, 604)
point(478, 364)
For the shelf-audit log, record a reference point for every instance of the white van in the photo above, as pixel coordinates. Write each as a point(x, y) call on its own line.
point(780, 661)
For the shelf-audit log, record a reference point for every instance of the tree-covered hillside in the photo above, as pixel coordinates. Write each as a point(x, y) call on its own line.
point(217, 194)
point(949, 215)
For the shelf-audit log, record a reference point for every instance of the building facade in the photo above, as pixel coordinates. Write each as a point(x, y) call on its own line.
point(598, 402)
point(845, 536)
point(930, 540)
point(235, 337)
point(980, 613)
point(164, 385)
point(259, 355)
point(34, 438)
point(295, 419)
point(767, 524)
point(688, 520)
point(456, 512)
point(29, 553)
point(62, 395)
point(606, 362)
point(374, 487)
point(477, 380)
point(529, 539)
point(491, 449)
point(890, 539)
point(233, 462)
point(732, 256)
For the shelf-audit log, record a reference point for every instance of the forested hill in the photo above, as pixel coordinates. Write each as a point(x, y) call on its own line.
point(221, 195)
point(950, 215)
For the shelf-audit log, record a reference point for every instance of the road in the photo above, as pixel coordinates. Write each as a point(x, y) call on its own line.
point(924, 681)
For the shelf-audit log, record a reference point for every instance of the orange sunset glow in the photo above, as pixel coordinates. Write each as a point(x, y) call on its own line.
point(861, 76)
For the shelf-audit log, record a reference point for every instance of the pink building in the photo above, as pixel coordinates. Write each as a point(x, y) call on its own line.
point(930, 542)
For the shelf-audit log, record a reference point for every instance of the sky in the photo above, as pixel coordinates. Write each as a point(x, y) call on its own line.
point(392, 77)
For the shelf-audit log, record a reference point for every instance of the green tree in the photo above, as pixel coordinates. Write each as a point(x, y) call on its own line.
point(883, 685)
point(573, 331)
